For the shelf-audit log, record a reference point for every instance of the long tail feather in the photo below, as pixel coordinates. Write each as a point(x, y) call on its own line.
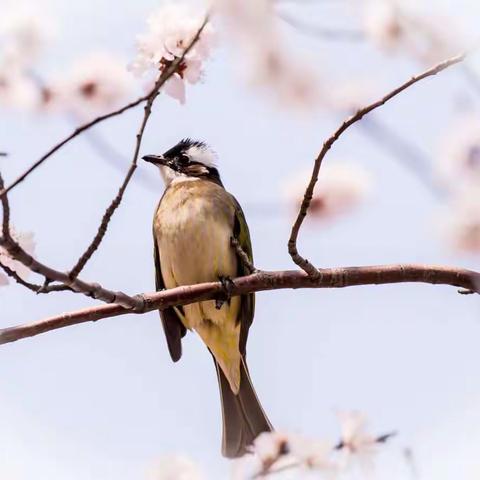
point(243, 416)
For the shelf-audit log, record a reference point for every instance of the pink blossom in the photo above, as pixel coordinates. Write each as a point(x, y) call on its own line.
point(175, 467)
point(17, 90)
point(265, 60)
point(460, 222)
point(24, 32)
point(95, 84)
point(394, 28)
point(341, 187)
point(460, 153)
point(171, 29)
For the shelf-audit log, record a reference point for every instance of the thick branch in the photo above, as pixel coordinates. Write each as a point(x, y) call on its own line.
point(292, 242)
point(329, 278)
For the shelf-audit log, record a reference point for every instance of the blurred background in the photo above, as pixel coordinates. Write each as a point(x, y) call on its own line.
point(103, 400)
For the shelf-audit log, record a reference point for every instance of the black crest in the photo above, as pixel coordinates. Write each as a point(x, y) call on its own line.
point(183, 145)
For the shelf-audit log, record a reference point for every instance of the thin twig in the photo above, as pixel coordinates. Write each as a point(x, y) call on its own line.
point(102, 229)
point(11, 273)
point(66, 140)
point(292, 242)
point(330, 278)
point(93, 290)
point(242, 255)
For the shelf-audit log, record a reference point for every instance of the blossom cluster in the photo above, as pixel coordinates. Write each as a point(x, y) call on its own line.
point(459, 172)
point(171, 30)
point(277, 452)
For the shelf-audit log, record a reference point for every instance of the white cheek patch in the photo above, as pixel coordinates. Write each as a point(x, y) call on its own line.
point(203, 155)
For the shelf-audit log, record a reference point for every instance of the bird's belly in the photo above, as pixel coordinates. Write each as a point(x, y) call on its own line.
point(195, 248)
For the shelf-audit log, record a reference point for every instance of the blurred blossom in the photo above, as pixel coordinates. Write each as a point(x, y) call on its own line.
point(265, 58)
point(23, 34)
point(428, 38)
point(270, 446)
point(17, 90)
point(25, 240)
point(460, 222)
point(175, 467)
point(340, 188)
point(170, 30)
point(356, 442)
point(95, 85)
point(460, 153)
point(351, 96)
point(310, 453)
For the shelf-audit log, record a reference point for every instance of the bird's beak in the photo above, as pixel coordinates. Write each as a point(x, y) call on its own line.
point(156, 159)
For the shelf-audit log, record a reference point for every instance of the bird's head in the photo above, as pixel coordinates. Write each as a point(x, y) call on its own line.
point(188, 159)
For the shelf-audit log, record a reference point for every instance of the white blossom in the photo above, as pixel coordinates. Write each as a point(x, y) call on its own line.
point(24, 32)
point(394, 28)
point(460, 222)
point(170, 31)
point(95, 84)
point(266, 61)
point(175, 467)
point(460, 153)
point(340, 188)
point(26, 241)
point(358, 445)
point(312, 453)
point(17, 90)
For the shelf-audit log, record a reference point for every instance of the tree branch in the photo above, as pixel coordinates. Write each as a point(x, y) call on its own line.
point(292, 242)
point(329, 278)
point(102, 229)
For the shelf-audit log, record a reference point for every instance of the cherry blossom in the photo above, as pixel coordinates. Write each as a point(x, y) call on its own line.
point(460, 222)
point(355, 441)
point(170, 30)
point(265, 59)
point(460, 152)
point(341, 187)
point(95, 84)
point(175, 467)
point(17, 90)
point(24, 32)
point(394, 28)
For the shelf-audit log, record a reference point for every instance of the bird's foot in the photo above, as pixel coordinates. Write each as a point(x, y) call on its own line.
point(226, 295)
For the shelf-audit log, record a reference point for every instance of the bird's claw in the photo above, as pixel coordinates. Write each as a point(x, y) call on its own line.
point(226, 295)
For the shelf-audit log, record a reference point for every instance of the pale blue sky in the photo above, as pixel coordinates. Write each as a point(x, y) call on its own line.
point(101, 401)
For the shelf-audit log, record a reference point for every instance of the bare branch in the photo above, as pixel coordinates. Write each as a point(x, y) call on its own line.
point(90, 289)
point(242, 255)
point(329, 278)
point(102, 229)
point(66, 140)
point(168, 72)
point(292, 242)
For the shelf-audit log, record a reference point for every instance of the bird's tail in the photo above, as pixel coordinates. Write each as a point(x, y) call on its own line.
point(243, 416)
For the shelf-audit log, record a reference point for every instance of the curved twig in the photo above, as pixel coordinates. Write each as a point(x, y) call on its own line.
point(102, 229)
point(292, 242)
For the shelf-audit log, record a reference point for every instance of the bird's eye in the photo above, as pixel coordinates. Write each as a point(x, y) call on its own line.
point(183, 159)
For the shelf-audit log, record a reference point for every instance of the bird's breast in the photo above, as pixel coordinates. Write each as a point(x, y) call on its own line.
point(193, 226)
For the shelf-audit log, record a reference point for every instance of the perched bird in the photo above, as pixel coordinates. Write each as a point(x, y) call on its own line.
point(193, 228)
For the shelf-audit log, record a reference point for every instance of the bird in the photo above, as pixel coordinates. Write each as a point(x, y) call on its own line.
point(195, 226)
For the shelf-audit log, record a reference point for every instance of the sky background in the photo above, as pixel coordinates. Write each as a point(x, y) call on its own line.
point(101, 401)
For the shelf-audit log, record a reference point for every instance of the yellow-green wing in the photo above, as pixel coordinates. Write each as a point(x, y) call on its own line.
point(247, 306)
point(172, 325)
